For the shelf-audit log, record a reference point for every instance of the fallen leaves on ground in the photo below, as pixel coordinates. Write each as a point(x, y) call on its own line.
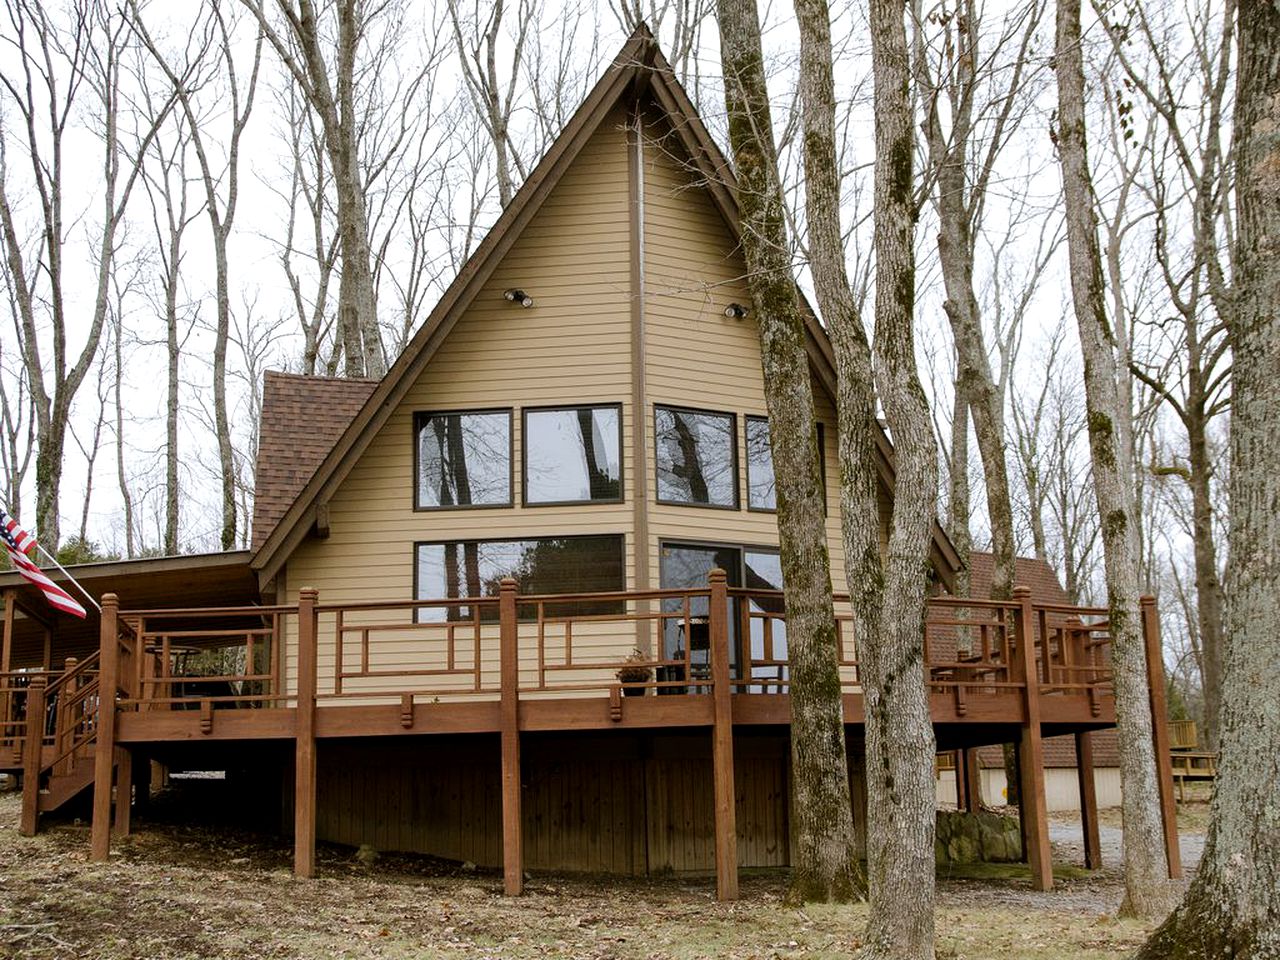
point(172, 892)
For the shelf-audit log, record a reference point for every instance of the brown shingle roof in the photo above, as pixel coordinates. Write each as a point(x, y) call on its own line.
point(302, 418)
point(1030, 572)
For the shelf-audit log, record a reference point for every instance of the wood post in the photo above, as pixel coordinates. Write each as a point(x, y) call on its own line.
point(105, 747)
point(1031, 800)
point(1088, 801)
point(32, 749)
point(63, 728)
point(1160, 734)
point(957, 769)
point(304, 754)
point(970, 772)
point(6, 658)
point(509, 651)
point(124, 792)
point(722, 741)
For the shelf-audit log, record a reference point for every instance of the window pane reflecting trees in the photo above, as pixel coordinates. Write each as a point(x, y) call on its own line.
point(464, 459)
point(573, 455)
point(696, 456)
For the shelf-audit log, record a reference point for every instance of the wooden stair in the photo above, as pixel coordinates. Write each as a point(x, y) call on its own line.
point(61, 788)
point(58, 749)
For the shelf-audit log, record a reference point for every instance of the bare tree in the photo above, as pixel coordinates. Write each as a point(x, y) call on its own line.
point(17, 414)
point(985, 110)
point(327, 81)
point(1147, 889)
point(888, 591)
point(1233, 906)
point(167, 185)
point(120, 288)
point(823, 865)
point(53, 64)
point(221, 183)
point(677, 22)
point(478, 34)
point(315, 256)
point(1188, 192)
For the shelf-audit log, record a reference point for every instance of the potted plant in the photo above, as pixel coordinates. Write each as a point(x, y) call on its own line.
point(635, 670)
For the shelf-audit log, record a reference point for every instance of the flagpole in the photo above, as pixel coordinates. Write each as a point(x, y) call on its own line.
point(54, 561)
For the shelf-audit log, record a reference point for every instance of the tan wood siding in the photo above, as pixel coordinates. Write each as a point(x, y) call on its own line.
point(697, 356)
point(573, 346)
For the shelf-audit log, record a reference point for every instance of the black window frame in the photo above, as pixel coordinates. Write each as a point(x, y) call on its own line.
point(524, 612)
point(420, 416)
point(524, 455)
point(820, 438)
point(734, 453)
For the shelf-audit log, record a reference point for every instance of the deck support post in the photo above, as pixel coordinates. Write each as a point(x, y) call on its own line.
point(1088, 801)
point(969, 772)
point(512, 840)
point(722, 740)
point(104, 749)
point(957, 768)
point(304, 755)
point(32, 750)
point(124, 792)
point(1160, 734)
point(1031, 799)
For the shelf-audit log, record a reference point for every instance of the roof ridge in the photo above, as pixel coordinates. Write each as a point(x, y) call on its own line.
point(317, 377)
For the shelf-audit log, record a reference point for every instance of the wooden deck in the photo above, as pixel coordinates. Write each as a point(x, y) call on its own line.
point(714, 659)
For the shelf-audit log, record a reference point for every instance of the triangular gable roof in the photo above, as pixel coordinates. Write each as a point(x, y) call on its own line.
point(638, 68)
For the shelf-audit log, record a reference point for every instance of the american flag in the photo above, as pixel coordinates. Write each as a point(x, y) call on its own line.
point(18, 542)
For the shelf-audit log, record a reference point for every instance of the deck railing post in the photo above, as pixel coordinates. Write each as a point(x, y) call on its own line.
point(1160, 733)
point(63, 729)
point(105, 747)
point(722, 740)
point(32, 750)
point(509, 653)
point(1031, 799)
point(304, 756)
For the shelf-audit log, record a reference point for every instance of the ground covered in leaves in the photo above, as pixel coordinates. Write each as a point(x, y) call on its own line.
point(181, 892)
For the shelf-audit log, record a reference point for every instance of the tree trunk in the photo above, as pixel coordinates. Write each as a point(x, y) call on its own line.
point(1208, 585)
point(1147, 888)
point(121, 474)
point(171, 493)
point(822, 827)
point(959, 501)
point(900, 742)
point(357, 313)
point(1233, 906)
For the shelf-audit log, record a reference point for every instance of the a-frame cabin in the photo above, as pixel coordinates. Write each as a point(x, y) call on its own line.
point(517, 602)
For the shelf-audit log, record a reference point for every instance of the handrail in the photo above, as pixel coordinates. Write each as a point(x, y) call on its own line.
point(971, 644)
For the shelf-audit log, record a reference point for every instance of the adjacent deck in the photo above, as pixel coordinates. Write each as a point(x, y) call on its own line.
point(713, 658)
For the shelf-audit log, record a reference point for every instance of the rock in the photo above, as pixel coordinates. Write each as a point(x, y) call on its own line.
point(963, 849)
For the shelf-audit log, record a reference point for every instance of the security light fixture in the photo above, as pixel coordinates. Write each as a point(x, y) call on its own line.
point(736, 311)
point(516, 295)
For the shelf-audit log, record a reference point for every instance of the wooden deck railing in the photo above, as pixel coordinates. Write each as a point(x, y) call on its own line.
point(653, 642)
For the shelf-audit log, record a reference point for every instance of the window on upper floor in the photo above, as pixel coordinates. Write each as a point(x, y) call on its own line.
point(573, 455)
point(463, 459)
point(548, 565)
point(761, 493)
point(697, 457)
